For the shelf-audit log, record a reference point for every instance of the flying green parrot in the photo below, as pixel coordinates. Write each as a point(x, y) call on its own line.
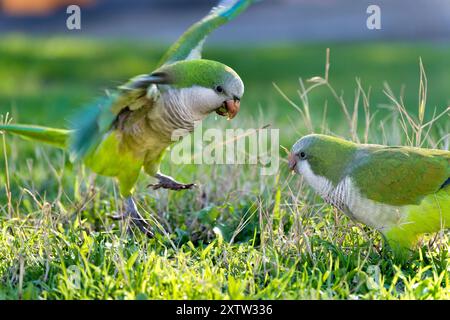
point(402, 192)
point(131, 128)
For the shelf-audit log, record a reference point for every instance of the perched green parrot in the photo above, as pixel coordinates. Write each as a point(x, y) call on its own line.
point(402, 192)
point(131, 128)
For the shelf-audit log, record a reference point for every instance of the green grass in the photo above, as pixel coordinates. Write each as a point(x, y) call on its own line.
point(240, 235)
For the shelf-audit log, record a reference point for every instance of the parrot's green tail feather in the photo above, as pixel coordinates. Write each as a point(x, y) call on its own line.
point(55, 137)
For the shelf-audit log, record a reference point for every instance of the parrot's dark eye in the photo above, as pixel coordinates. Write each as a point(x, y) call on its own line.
point(219, 89)
point(302, 155)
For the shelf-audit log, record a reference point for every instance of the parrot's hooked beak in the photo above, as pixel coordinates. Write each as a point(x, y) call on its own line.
point(229, 108)
point(292, 161)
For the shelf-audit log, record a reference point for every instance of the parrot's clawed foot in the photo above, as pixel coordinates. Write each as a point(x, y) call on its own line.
point(131, 212)
point(166, 182)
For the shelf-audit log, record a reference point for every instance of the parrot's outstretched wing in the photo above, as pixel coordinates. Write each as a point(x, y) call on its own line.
point(91, 124)
point(55, 137)
point(402, 176)
point(189, 45)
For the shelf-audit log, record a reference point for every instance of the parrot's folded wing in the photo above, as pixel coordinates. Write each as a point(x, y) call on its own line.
point(189, 45)
point(55, 137)
point(399, 176)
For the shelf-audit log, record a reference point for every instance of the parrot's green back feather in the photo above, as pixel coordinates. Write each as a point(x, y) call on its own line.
point(56, 137)
point(401, 175)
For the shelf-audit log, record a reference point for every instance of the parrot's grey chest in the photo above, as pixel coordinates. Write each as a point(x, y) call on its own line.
point(157, 124)
point(346, 196)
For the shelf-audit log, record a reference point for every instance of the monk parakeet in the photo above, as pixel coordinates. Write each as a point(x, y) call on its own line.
point(131, 128)
point(402, 192)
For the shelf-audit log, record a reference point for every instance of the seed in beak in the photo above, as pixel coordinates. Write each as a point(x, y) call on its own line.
point(233, 107)
point(222, 111)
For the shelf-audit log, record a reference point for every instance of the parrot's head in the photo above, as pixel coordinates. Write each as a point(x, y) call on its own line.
point(205, 86)
point(318, 155)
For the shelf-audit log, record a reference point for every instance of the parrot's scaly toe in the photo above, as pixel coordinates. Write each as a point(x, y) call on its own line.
point(165, 182)
point(131, 212)
point(172, 186)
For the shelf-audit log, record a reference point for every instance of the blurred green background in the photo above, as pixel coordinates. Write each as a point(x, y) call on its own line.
point(45, 80)
point(48, 72)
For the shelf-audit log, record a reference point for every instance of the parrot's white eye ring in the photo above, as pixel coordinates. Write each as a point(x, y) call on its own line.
point(302, 155)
